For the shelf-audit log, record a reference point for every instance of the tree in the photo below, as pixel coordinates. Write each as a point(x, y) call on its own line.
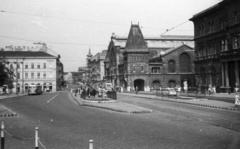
point(6, 74)
point(3, 73)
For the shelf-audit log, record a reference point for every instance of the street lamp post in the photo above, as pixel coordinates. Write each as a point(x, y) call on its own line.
point(23, 76)
point(17, 76)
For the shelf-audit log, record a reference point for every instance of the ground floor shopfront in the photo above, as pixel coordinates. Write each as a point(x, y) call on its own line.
point(150, 82)
point(230, 75)
point(22, 87)
point(223, 75)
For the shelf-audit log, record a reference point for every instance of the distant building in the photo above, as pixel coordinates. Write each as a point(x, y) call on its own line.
point(95, 65)
point(39, 68)
point(151, 62)
point(73, 77)
point(217, 42)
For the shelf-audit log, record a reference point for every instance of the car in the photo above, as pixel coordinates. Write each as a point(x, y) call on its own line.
point(168, 91)
point(172, 91)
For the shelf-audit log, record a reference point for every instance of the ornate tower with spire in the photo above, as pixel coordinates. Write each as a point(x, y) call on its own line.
point(89, 56)
point(136, 57)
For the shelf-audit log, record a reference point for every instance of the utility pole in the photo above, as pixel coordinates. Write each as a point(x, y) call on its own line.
point(23, 76)
point(17, 75)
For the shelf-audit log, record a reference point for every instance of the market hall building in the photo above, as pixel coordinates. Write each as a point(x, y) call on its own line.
point(151, 62)
point(217, 46)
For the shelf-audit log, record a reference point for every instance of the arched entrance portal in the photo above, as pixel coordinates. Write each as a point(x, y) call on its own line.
point(172, 84)
point(156, 84)
point(139, 83)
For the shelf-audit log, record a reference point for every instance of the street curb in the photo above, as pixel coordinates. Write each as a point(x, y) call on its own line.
point(107, 108)
point(203, 105)
point(116, 110)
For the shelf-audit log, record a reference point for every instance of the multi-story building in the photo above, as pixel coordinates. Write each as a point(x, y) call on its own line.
point(96, 65)
point(150, 62)
point(217, 45)
point(39, 68)
point(74, 77)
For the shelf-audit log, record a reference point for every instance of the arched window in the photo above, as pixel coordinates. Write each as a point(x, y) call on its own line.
point(156, 84)
point(184, 63)
point(171, 66)
point(171, 83)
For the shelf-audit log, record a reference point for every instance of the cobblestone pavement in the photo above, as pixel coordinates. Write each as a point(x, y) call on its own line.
point(64, 125)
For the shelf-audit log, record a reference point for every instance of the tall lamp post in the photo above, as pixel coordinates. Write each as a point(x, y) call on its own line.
point(17, 75)
point(23, 75)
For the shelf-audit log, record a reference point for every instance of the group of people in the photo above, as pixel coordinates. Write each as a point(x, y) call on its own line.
point(86, 91)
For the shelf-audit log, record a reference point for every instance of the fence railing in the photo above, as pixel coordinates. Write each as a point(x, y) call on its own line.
point(191, 92)
point(35, 139)
point(112, 95)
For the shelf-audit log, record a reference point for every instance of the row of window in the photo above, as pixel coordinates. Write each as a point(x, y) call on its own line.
point(37, 75)
point(216, 47)
point(38, 66)
point(184, 65)
point(136, 59)
point(35, 65)
point(222, 23)
point(134, 68)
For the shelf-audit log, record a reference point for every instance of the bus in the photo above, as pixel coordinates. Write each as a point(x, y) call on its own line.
point(35, 89)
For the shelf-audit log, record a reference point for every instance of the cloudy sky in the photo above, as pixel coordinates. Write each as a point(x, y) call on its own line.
point(71, 27)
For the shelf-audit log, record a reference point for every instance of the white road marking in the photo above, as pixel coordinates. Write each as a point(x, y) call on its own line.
point(52, 98)
point(9, 110)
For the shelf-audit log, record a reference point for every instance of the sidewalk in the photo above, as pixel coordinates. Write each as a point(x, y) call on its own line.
point(194, 101)
point(129, 108)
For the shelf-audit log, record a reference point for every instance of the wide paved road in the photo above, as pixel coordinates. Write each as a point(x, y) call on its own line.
point(63, 124)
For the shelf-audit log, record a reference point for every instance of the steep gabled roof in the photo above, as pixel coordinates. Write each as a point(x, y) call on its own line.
point(135, 39)
point(174, 49)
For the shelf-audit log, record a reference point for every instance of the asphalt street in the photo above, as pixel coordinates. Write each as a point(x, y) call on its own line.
point(63, 124)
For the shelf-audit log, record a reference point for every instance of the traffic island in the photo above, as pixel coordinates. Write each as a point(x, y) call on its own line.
point(119, 107)
point(110, 104)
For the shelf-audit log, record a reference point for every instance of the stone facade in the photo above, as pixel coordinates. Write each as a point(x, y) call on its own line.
point(217, 43)
point(136, 61)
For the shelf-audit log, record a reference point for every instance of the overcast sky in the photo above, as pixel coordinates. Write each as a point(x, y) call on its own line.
point(71, 27)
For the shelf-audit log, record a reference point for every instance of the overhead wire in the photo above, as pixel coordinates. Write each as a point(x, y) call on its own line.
point(70, 19)
point(64, 43)
point(167, 30)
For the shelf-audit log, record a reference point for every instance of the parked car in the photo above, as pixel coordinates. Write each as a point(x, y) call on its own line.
point(168, 91)
point(172, 91)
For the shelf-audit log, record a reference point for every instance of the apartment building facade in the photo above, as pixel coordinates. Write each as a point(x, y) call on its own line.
point(217, 45)
point(38, 68)
point(95, 65)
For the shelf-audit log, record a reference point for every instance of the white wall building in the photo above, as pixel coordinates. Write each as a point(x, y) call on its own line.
point(32, 68)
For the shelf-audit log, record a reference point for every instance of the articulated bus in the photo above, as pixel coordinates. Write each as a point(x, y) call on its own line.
point(35, 89)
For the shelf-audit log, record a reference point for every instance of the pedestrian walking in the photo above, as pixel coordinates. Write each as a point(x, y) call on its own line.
point(80, 91)
point(76, 91)
point(136, 89)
